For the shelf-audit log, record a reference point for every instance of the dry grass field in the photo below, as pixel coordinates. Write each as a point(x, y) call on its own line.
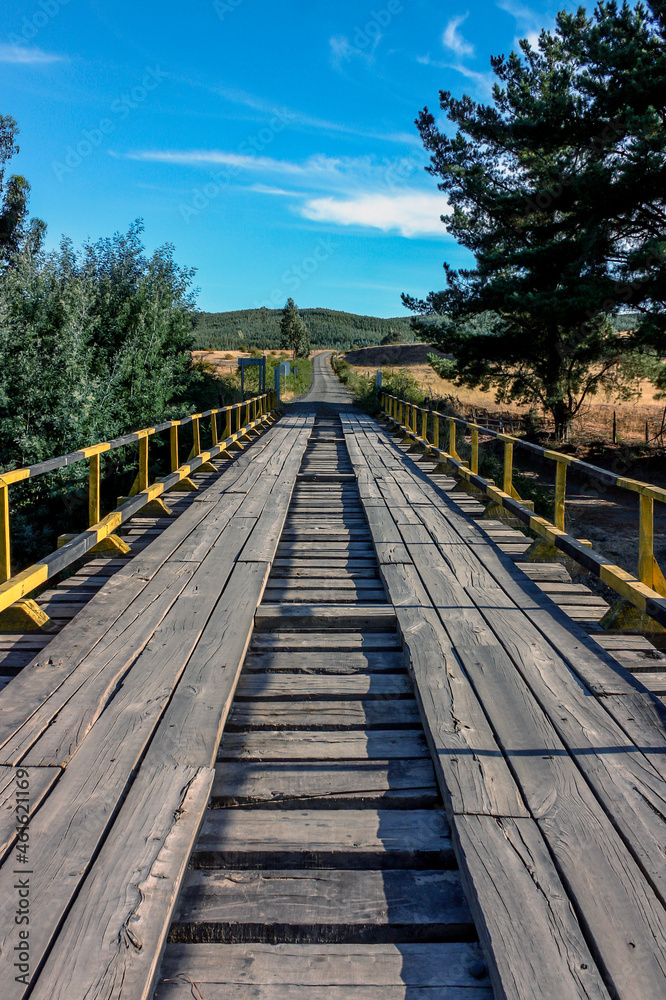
point(595, 422)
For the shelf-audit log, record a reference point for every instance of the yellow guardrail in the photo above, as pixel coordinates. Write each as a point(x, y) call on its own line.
point(647, 592)
point(240, 419)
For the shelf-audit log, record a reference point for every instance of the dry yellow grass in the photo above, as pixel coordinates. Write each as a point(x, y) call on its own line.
point(595, 421)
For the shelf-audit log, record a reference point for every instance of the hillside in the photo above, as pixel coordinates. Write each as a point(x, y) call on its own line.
point(328, 328)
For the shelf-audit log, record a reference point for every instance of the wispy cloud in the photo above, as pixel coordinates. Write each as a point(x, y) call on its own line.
point(294, 118)
point(22, 56)
point(452, 40)
point(361, 191)
point(485, 81)
point(530, 21)
point(412, 213)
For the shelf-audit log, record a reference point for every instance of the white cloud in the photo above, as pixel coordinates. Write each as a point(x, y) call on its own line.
point(20, 55)
point(484, 80)
point(413, 213)
point(452, 40)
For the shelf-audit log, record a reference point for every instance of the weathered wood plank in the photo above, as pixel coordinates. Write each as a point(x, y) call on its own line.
point(307, 906)
point(394, 783)
point(522, 913)
point(284, 746)
point(304, 838)
point(112, 940)
point(27, 791)
point(259, 715)
point(266, 686)
point(351, 660)
point(414, 971)
point(280, 616)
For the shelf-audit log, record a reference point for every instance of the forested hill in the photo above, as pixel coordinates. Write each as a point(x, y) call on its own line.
point(328, 328)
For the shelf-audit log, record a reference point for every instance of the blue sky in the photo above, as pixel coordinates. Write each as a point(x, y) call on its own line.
point(272, 143)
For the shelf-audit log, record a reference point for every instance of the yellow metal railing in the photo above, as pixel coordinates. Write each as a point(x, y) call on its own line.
point(240, 418)
point(647, 592)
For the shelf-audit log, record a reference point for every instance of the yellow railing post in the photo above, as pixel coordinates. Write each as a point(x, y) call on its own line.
point(452, 438)
point(646, 540)
point(5, 557)
point(143, 464)
point(213, 426)
point(173, 436)
point(435, 428)
point(507, 480)
point(415, 411)
point(227, 425)
point(474, 459)
point(560, 494)
point(424, 424)
point(94, 511)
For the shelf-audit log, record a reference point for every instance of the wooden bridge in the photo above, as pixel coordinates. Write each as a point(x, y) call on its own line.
point(321, 737)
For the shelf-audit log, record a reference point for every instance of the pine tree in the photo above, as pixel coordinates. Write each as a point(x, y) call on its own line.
point(294, 334)
point(554, 224)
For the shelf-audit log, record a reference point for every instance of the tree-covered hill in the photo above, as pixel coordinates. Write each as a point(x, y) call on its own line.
point(328, 328)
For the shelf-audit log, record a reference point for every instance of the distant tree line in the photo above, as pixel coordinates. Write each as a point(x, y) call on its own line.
point(242, 329)
point(557, 188)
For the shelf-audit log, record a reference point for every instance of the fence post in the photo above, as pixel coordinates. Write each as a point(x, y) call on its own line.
point(5, 558)
point(196, 437)
point(646, 541)
point(424, 424)
point(227, 425)
point(560, 493)
point(173, 436)
point(143, 464)
point(93, 491)
point(452, 439)
point(415, 411)
point(213, 426)
point(474, 459)
point(435, 428)
point(507, 481)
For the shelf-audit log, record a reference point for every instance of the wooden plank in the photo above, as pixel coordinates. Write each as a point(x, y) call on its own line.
point(113, 937)
point(196, 600)
point(323, 642)
point(86, 686)
point(473, 774)
point(393, 783)
point(280, 616)
point(284, 746)
point(350, 661)
point(192, 726)
point(258, 715)
point(442, 971)
point(265, 686)
point(21, 793)
point(302, 906)
point(521, 911)
point(383, 838)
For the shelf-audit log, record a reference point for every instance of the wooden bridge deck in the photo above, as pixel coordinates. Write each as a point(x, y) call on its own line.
point(426, 781)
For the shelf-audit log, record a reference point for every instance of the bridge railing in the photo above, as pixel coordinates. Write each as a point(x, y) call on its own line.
point(647, 592)
point(239, 419)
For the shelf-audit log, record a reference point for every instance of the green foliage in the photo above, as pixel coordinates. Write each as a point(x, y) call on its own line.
point(15, 230)
point(363, 387)
point(92, 345)
point(564, 229)
point(294, 334)
point(328, 328)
